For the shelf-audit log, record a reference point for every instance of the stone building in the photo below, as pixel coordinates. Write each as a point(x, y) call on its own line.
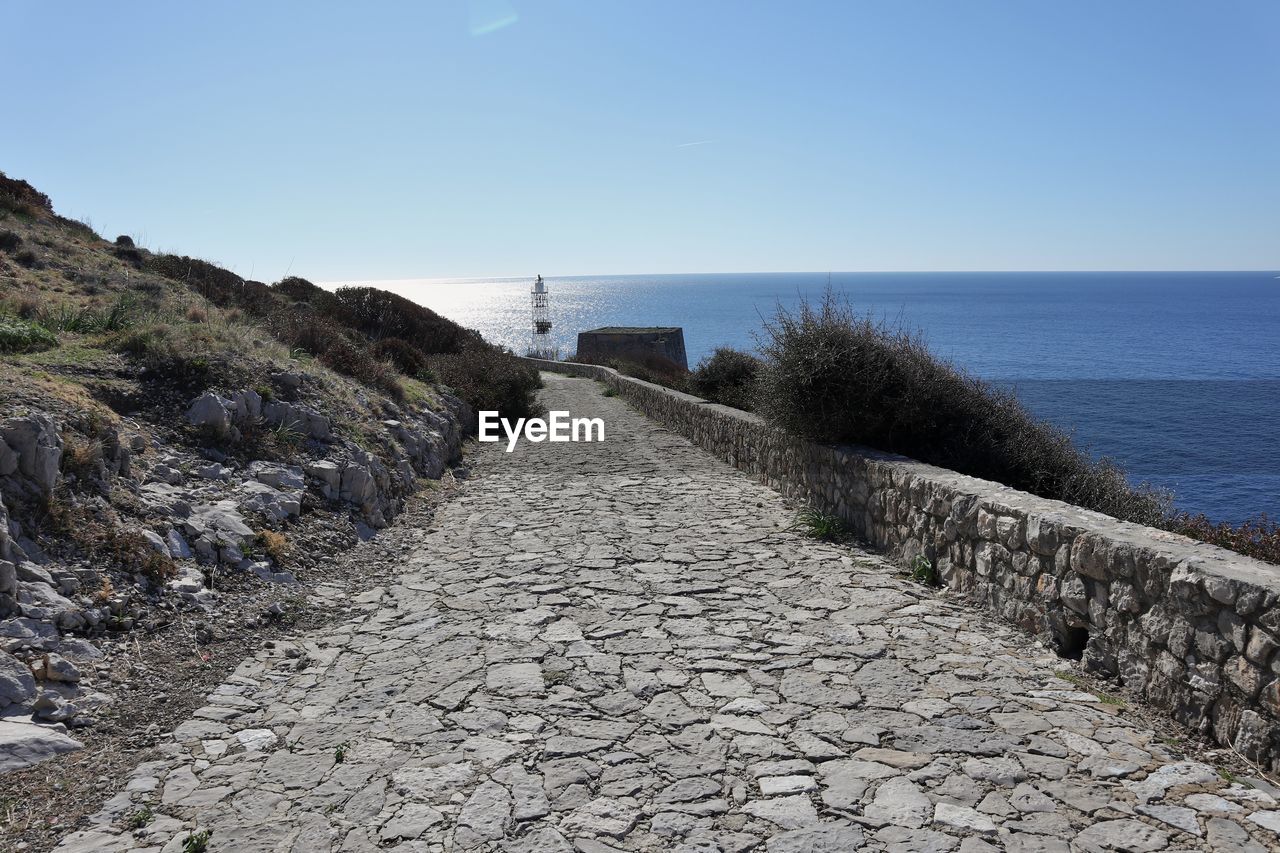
point(633, 341)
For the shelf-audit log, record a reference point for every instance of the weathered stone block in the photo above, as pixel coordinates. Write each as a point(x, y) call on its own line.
point(1042, 535)
point(1076, 597)
point(1233, 629)
point(1210, 645)
point(1262, 645)
point(1089, 556)
point(1244, 675)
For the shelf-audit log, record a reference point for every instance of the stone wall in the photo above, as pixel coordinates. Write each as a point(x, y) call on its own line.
point(1191, 628)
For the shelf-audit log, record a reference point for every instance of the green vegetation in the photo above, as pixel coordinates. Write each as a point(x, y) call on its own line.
point(821, 525)
point(191, 322)
point(923, 572)
point(197, 842)
point(340, 752)
point(140, 817)
point(18, 335)
point(831, 375)
point(123, 313)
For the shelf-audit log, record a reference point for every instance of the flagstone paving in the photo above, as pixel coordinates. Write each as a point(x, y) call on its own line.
point(623, 646)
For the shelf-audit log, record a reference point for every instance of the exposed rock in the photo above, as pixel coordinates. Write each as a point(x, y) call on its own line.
point(54, 667)
point(23, 744)
point(329, 475)
point(210, 412)
point(220, 523)
point(273, 503)
point(34, 452)
point(297, 418)
point(17, 685)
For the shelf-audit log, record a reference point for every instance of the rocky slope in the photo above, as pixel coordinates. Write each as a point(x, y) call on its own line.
point(166, 459)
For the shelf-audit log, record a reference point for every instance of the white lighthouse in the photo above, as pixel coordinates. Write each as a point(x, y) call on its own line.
point(540, 344)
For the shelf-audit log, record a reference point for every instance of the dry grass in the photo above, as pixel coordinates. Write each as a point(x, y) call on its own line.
point(275, 545)
point(81, 457)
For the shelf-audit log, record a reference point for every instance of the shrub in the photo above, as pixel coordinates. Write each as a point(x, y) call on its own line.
point(728, 376)
point(407, 358)
point(379, 314)
point(106, 542)
point(129, 255)
point(298, 289)
point(24, 336)
point(27, 258)
point(1255, 537)
point(83, 229)
point(221, 287)
point(344, 356)
point(821, 525)
point(125, 240)
point(329, 342)
point(20, 197)
point(644, 365)
point(489, 379)
point(9, 241)
point(831, 375)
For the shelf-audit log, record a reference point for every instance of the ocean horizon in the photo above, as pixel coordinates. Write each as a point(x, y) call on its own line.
point(1175, 375)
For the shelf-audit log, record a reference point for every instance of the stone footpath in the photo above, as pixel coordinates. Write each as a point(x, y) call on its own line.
point(622, 646)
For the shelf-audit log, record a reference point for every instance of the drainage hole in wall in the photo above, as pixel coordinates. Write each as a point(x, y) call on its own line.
point(1071, 643)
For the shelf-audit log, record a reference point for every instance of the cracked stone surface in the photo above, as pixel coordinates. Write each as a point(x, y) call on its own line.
point(624, 646)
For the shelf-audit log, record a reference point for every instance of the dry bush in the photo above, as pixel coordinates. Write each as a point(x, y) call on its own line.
point(643, 365)
point(82, 457)
point(729, 377)
point(329, 343)
point(274, 545)
point(106, 590)
point(379, 314)
point(196, 314)
point(490, 380)
point(105, 542)
point(832, 375)
point(1257, 537)
point(407, 358)
point(18, 196)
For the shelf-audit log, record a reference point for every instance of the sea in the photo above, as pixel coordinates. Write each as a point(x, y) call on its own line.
point(1175, 375)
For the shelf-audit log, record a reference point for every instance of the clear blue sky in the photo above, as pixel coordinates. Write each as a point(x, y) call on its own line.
point(495, 137)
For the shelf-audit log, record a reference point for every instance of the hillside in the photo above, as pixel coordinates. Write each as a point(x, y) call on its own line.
point(182, 451)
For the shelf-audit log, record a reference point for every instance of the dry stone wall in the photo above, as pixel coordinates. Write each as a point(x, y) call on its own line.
point(1191, 628)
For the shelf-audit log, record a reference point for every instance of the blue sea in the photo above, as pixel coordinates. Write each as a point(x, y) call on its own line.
point(1174, 375)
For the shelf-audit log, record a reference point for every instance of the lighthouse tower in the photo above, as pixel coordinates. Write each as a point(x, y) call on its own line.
point(540, 344)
